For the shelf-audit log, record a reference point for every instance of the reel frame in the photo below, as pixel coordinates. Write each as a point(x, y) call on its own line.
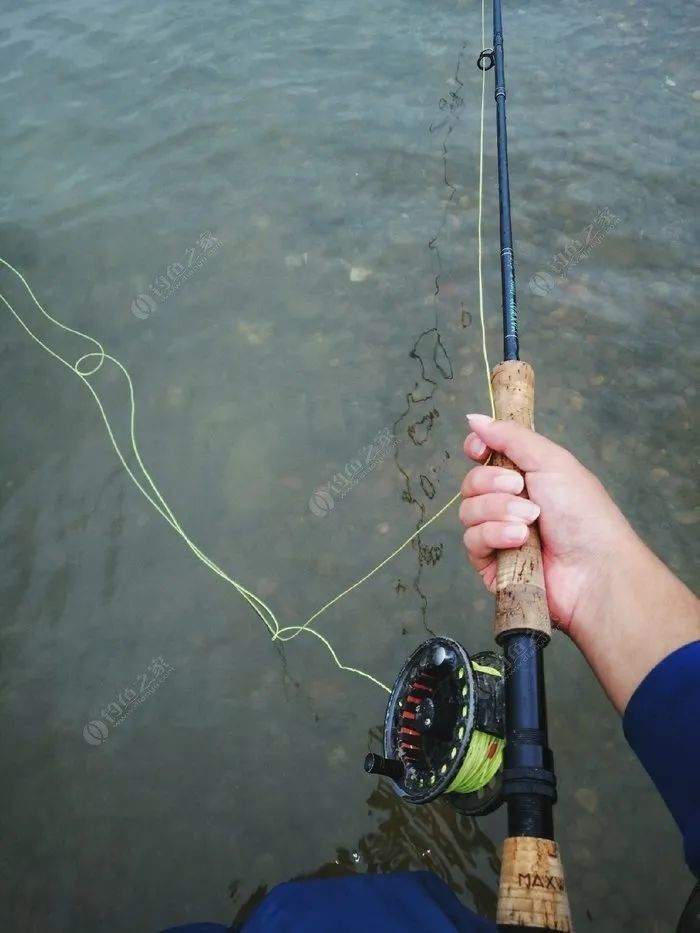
point(437, 703)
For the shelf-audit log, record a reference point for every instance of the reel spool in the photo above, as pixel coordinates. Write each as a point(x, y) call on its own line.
point(444, 728)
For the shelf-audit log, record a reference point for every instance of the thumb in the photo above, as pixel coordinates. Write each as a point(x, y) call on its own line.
point(527, 449)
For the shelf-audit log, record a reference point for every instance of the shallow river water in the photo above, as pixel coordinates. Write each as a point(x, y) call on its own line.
point(267, 213)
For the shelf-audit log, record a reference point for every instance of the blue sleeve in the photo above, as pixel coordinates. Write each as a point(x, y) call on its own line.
point(391, 903)
point(662, 724)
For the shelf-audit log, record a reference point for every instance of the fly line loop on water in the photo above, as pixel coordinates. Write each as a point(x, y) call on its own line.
point(91, 362)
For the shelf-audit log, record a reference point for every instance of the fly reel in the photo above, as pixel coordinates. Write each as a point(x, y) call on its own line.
point(444, 728)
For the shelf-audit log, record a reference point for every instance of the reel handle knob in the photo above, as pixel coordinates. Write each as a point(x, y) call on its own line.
point(389, 767)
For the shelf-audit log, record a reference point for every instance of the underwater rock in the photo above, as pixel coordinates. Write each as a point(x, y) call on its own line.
point(174, 396)
point(587, 799)
point(596, 886)
point(609, 451)
point(324, 692)
point(338, 756)
point(383, 528)
point(256, 333)
point(257, 699)
point(696, 96)
point(582, 855)
point(576, 401)
point(326, 565)
point(688, 517)
point(658, 473)
point(20, 245)
point(479, 605)
point(265, 588)
point(292, 482)
point(359, 274)
point(662, 289)
point(296, 261)
point(577, 291)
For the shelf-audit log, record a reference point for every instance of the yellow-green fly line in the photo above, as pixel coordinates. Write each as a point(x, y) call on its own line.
point(484, 754)
point(91, 362)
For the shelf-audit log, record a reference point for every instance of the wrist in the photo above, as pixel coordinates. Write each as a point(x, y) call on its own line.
point(637, 612)
point(620, 557)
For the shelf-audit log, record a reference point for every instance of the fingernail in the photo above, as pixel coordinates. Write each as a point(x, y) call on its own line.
point(523, 508)
point(514, 534)
point(477, 448)
point(509, 482)
point(478, 421)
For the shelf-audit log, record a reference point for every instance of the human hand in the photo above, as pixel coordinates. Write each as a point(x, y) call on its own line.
point(580, 526)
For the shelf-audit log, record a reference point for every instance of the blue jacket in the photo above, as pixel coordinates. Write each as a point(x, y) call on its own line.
point(663, 713)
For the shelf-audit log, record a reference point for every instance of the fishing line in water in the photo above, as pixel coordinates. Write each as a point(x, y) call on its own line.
point(88, 365)
point(91, 362)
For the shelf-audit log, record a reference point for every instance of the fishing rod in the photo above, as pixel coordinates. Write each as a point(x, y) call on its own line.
point(474, 728)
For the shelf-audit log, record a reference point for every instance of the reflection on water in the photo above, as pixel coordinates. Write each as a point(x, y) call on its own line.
point(411, 838)
point(418, 461)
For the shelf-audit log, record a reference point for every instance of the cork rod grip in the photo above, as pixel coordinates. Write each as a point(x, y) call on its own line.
point(521, 603)
point(532, 893)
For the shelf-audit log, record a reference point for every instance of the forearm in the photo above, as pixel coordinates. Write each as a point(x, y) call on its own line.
point(636, 624)
point(639, 613)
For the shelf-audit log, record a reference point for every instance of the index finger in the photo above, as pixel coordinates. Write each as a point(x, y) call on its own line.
point(525, 447)
point(484, 479)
